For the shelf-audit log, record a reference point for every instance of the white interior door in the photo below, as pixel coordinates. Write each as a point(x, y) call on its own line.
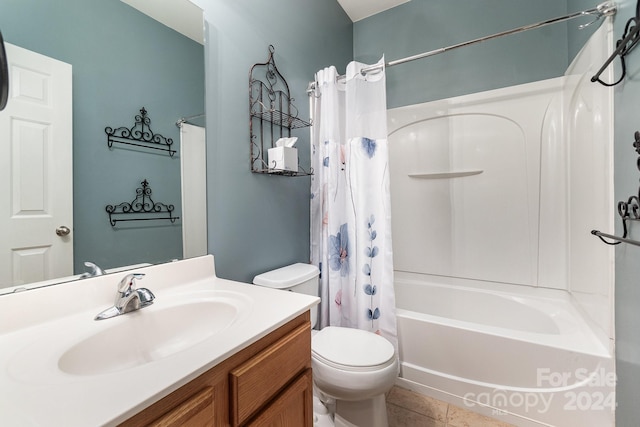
point(36, 170)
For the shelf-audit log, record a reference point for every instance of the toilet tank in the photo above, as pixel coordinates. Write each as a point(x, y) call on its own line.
point(299, 277)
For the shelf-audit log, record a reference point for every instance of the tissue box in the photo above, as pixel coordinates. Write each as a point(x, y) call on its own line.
point(283, 158)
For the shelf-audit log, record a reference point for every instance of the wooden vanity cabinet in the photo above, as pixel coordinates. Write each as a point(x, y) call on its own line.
point(267, 384)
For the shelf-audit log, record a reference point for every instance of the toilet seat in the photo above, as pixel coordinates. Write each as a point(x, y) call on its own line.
point(352, 350)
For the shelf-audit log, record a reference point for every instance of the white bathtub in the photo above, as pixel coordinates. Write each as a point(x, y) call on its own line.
point(529, 356)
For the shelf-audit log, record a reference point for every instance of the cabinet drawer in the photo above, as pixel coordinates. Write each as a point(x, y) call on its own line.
point(196, 411)
point(259, 379)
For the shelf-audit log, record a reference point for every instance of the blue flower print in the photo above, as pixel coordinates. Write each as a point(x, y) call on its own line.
point(373, 314)
point(325, 162)
point(366, 270)
point(370, 221)
point(339, 251)
point(371, 252)
point(370, 290)
point(369, 146)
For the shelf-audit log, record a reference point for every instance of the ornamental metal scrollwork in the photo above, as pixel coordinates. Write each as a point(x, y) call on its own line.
point(627, 210)
point(272, 114)
point(139, 135)
point(142, 206)
point(630, 210)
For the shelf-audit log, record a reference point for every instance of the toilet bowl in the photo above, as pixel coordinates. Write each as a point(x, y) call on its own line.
point(356, 368)
point(352, 368)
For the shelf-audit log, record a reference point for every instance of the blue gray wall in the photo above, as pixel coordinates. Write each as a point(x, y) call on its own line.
point(122, 60)
point(420, 26)
point(627, 321)
point(259, 222)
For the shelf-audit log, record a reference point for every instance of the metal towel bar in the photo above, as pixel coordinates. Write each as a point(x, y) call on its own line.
point(628, 210)
point(616, 238)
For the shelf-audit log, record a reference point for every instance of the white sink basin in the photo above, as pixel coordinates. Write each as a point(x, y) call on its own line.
point(150, 334)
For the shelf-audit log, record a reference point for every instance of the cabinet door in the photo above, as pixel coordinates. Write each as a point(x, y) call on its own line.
point(196, 411)
point(292, 408)
point(255, 382)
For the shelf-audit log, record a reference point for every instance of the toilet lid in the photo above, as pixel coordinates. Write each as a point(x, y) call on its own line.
point(351, 347)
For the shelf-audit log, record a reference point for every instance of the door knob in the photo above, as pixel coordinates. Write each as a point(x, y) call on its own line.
point(63, 230)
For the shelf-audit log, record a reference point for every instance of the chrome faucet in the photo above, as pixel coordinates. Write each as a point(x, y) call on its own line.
point(94, 270)
point(129, 298)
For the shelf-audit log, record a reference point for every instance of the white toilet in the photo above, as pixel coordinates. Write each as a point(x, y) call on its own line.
point(352, 369)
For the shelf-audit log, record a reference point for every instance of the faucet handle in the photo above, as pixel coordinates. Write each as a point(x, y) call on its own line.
point(94, 269)
point(128, 282)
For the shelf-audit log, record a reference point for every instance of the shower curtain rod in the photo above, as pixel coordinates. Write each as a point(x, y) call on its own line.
point(186, 119)
point(607, 8)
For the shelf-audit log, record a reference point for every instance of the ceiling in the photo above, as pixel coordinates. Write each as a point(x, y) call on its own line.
point(181, 15)
point(186, 18)
point(360, 9)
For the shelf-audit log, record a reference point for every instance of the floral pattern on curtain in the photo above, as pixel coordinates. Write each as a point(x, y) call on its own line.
point(350, 202)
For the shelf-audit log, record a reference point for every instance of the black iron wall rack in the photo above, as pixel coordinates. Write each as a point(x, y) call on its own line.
point(139, 135)
point(627, 210)
point(272, 115)
point(142, 208)
point(624, 45)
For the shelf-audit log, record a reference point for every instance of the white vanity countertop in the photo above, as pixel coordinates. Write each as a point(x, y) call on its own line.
point(38, 326)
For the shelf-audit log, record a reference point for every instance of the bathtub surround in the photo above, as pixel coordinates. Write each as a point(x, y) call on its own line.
point(556, 136)
point(350, 206)
point(542, 153)
point(493, 198)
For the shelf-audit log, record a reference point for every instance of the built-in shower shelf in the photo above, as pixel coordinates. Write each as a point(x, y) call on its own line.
point(444, 175)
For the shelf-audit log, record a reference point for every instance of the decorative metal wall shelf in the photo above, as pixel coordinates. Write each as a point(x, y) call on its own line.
point(272, 115)
point(139, 135)
point(142, 208)
point(628, 211)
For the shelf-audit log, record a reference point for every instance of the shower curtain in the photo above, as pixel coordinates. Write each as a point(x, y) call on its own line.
point(350, 207)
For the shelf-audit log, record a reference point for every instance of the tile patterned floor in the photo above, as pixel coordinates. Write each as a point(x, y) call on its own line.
point(406, 408)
